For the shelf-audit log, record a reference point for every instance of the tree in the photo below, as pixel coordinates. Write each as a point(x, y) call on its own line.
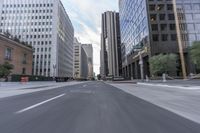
point(99, 77)
point(7, 33)
point(5, 70)
point(160, 64)
point(195, 53)
point(16, 39)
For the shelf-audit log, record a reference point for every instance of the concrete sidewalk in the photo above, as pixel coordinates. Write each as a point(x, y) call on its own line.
point(19, 85)
point(179, 84)
point(8, 89)
point(194, 82)
point(175, 86)
point(183, 102)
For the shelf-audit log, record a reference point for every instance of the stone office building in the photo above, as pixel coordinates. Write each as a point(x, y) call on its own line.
point(17, 54)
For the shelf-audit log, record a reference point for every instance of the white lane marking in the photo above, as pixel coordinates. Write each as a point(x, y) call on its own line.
point(82, 91)
point(38, 104)
point(84, 85)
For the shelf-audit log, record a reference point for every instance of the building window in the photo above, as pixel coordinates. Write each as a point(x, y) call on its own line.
point(172, 27)
point(155, 37)
point(170, 7)
point(164, 37)
point(23, 70)
point(163, 27)
point(8, 54)
point(152, 7)
point(162, 16)
point(183, 27)
point(160, 7)
point(171, 17)
point(153, 17)
point(24, 59)
point(173, 37)
point(154, 27)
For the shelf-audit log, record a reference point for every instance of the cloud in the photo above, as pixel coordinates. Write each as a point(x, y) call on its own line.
point(86, 18)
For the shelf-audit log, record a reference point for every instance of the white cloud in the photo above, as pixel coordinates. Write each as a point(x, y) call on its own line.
point(86, 18)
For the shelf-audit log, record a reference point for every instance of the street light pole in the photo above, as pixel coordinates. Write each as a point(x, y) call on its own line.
point(180, 41)
point(141, 66)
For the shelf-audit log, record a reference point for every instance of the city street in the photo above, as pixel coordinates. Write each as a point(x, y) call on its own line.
point(127, 66)
point(91, 107)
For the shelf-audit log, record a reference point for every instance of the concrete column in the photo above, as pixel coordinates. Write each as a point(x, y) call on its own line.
point(136, 70)
point(131, 71)
point(126, 72)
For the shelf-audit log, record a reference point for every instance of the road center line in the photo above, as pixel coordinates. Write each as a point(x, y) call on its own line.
point(38, 104)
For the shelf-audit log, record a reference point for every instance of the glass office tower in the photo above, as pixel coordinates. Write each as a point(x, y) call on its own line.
point(189, 18)
point(134, 26)
point(189, 22)
point(134, 34)
point(145, 24)
point(151, 25)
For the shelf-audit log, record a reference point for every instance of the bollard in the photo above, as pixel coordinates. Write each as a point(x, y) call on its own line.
point(24, 80)
point(147, 78)
point(164, 77)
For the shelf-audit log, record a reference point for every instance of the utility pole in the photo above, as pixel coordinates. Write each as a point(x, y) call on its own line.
point(179, 41)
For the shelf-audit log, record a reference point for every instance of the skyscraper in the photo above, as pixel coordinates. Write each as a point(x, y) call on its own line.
point(89, 52)
point(45, 25)
point(150, 26)
point(189, 19)
point(81, 67)
point(110, 45)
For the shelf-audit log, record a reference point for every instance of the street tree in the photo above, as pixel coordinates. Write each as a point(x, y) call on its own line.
point(160, 64)
point(99, 77)
point(195, 53)
point(5, 69)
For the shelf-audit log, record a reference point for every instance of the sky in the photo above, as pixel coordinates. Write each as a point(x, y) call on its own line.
point(86, 19)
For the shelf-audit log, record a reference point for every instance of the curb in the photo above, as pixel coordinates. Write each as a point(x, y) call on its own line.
point(124, 82)
point(170, 86)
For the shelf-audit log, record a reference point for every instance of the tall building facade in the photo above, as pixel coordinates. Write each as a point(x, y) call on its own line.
point(149, 26)
point(81, 68)
point(89, 52)
point(110, 45)
point(45, 25)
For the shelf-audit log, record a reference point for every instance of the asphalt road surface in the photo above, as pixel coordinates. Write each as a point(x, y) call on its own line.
point(92, 107)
